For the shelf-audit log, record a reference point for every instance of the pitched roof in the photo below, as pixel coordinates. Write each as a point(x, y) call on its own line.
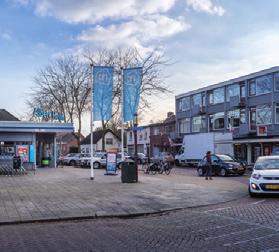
point(6, 116)
point(97, 135)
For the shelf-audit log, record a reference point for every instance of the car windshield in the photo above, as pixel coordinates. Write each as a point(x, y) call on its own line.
point(98, 154)
point(225, 158)
point(266, 164)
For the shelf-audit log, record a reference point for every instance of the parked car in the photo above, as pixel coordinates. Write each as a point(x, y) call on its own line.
point(141, 158)
point(222, 165)
point(265, 176)
point(99, 160)
point(71, 159)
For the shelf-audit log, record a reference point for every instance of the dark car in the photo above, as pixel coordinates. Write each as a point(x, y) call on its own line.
point(222, 165)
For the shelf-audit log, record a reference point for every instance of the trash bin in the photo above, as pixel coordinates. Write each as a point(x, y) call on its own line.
point(45, 162)
point(129, 172)
point(16, 162)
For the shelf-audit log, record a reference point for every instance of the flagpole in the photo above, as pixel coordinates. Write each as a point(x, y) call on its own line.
point(91, 124)
point(122, 114)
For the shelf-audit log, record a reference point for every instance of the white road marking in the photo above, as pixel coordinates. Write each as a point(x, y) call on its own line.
point(258, 202)
point(218, 209)
point(254, 239)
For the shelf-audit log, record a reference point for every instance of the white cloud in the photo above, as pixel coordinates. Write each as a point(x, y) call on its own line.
point(6, 36)
point(90, 11)
point(206, 6)
point(137, 33)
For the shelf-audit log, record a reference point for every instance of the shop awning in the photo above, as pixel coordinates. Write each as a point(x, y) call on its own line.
point(19, 126)
point(256, 140)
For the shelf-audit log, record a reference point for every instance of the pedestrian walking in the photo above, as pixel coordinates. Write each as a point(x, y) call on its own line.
point(208, 172)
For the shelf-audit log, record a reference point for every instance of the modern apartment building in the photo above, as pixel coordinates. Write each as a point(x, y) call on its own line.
point(247, 107)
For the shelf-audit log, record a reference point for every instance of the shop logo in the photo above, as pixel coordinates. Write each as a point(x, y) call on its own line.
point(47, 115)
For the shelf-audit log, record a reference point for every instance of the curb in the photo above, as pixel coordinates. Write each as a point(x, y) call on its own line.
point(119, 216)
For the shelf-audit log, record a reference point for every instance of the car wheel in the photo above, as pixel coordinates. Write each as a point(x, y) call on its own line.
point(72, 163)
point(241, 173)
point(96, 165)
point(177, 162)
point(223, 172)
point(200, 171)
point(251, 194)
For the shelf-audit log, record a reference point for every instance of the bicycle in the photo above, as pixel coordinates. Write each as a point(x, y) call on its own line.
point(149, 167)
point(165, 166)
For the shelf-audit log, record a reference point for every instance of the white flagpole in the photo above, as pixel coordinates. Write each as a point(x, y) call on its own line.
point(91, 123)
point(122, 114)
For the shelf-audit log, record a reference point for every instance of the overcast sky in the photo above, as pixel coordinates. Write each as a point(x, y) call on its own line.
point(209, 40)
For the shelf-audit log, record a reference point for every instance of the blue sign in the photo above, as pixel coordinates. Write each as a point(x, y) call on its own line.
point(132, 79)
point(111, 163)
point(102, 93)
point(38, 112)
point(32, 156)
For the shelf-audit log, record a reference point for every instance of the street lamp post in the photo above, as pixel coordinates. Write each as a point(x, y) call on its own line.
point(136, 137)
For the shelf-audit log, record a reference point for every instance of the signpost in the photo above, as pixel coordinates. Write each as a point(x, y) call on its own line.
point(111, 163)
point(261, 130)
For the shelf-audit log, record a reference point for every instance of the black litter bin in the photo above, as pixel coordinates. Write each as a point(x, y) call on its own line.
point(16, 162)
point(129, 172)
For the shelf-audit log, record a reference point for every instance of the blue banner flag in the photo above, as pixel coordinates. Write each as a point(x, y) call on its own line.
point(102, 93)
point(132, 78)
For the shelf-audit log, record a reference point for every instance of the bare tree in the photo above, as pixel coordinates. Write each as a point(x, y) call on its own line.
point(153, 81)
point(63, 86)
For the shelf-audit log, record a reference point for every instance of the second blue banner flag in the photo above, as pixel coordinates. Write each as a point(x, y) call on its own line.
point(132, 78)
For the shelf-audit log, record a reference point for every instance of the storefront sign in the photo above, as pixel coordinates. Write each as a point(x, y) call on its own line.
point(23, 152)
point(50, 115)
point(111, 163)
point(261, 130)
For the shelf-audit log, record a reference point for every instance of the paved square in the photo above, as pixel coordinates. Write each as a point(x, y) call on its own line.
point(68, 193)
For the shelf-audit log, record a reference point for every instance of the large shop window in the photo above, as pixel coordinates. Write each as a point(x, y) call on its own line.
point(217, 121)
point(196, 100)
point(233, 90)
point(184, 104)
point(184, 125)
point(263, 115)
point(198, 122)
point(216, 96)
point(260, 85)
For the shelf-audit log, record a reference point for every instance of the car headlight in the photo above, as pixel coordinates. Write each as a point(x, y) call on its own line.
point(256, 176)
point(231, 166)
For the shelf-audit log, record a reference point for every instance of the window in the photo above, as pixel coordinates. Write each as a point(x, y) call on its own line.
point(140, 137)
point(233, 90)
point(277, 81)
point(242, 89)
point(216, 96)
point(196, 100)
point(145, 135)
point(260, 85)
point(130, 136)
point(236, 117)
point(277, 113)
point(184, 125)
point(198, 122)
point(233, 118)
point(156, 131)
point(184, 104)
point(263, 114)
point(252, 119)
point(109, 141)
point(252, 87)
point(217, 121)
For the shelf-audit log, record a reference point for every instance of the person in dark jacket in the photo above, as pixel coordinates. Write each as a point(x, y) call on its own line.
point(208, 171)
